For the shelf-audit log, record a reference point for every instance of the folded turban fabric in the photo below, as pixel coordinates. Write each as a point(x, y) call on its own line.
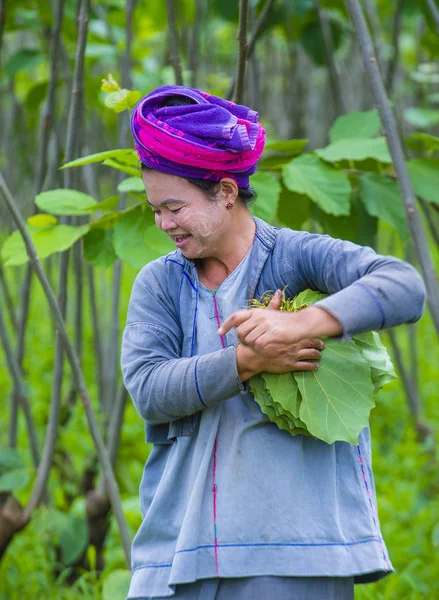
point(210, 138)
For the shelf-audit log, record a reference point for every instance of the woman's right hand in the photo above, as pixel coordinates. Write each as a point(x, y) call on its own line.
point(302, 356)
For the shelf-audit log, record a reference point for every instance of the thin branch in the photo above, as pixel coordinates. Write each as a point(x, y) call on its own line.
point(243, 49)
point(256, 33)
point(174, 42)
point(334, 76)
point(393, 63)
point(8, 298)
point(434, 11)
point(114, 429)
point(2, 21)
point(397, 153)
point(194, 51)
point(97, 341)
point(20, 393)
point(102, 453)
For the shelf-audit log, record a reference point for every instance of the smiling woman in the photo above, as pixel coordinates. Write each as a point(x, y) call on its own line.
point(232, 506)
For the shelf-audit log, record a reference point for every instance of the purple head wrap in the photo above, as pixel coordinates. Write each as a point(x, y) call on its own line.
point(210, 139)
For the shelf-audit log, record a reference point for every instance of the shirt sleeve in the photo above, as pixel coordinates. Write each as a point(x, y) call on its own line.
point(368, 291)
point(163, 385)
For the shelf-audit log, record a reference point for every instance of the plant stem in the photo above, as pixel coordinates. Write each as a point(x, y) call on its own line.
point(2, 21)
point(397, 153)
point(174, 42)
point(256, 33)
point(334, 76)
point(393, 63)
point(8, 298)
point(242, 52)
point(19, 394)
point(103, 457)
point(434, 11)
point(195, 42)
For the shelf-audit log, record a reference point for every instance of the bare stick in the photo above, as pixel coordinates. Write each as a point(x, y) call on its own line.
point(174, 42)
point(195, 42)
point(97, 341)
point(434, 12)
point(256, 33)
point(243, 48)
point(397, 153)
point(334, 76)
point(2, 20)
point(102, 453)
point(20, 393)
point(393, 63)
point(8, 298)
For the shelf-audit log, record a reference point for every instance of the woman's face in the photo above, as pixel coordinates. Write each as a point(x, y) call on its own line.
point(183, 212)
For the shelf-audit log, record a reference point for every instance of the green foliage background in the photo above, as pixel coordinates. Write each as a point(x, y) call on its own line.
point(317, 173)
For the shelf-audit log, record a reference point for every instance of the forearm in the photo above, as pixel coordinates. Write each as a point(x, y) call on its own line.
point(170, 389)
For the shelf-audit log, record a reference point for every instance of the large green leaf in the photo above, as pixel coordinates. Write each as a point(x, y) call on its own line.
point(356, 125)
point(24, 59)
point(131, 184)
point(47, 241)
point(326, 186)
point(98, 247)
point(422, 117)
point(291, 147)
point(158, 241)
point(10, 459)
point(337, 398)
point(381, 197)
point(374, 351)
point(124, 155)
point(65, 202)
point(356, 148)
point(268, 188)
point(424, 173)
point(130, 235)
point(293, 209)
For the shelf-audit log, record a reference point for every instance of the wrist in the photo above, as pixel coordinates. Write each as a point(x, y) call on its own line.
point(246, 362)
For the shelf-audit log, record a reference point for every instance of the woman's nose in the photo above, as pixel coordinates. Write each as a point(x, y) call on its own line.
point(167, 223)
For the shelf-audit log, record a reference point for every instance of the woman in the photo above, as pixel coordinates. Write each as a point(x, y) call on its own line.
point(233, 507)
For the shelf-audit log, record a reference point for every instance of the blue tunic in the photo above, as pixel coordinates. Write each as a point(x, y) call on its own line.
point(239, 498)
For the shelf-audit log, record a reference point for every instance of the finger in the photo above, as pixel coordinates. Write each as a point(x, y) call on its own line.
point(234, 320)
point(305, 366)
point(252, 336)
point(311, 343)
point(276, 301)
point(309, 354)
point(245, 328)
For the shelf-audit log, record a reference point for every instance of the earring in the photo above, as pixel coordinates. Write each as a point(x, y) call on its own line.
point(229, 205)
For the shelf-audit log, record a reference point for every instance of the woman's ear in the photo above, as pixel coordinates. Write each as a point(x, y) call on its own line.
point(228, 190)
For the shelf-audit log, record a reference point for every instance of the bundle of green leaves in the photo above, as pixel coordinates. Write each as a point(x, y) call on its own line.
point(334, 402)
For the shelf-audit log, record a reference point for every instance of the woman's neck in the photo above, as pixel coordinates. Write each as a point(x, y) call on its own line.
point(213, 270)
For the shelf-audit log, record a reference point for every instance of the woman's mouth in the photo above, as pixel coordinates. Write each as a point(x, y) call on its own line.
point(181, 240)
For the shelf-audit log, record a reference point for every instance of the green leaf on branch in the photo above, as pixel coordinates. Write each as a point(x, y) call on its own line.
point(421, 117)
point(355, 149)
point(124, 155)
point(381, 198)
point(108, 204)
point(42, 220)
point(428, 143)
point(293, 209)
point(290, 147)
point(337, 399)
point(14, 479)
point(131, 184)
point(22, 60)
point(356, 125)
point(158, 241)
point(98, 247)
point(122, 99)
point(47, 241)
point(130, 234)
point(119, 166)
point(65, 202)
point(374, 351)
point(327, 187)
point(10, 459)
point(268, 188)
point(424, 174)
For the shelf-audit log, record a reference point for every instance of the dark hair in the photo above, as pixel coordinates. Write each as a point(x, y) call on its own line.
point(209, 187)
